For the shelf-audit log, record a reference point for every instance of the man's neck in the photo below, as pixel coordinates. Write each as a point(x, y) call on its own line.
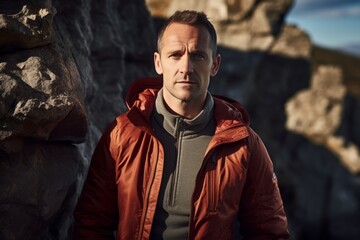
point(187, 110)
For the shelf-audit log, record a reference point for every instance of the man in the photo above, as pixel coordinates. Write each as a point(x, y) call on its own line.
point(181, 163)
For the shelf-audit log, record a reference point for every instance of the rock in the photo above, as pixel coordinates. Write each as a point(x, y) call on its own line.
point(112, 49)
point(39, 187)
point(31, 26)
point(41, 96)
point(292, 42)
point(347, 152)
point(57, 93)
point(243, 25)
point(268, 16)
point(217, 10)
point(316, 112)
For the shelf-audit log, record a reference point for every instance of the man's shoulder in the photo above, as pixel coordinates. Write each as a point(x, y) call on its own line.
point(122, 119)
point(132, 119)
point(230, 109)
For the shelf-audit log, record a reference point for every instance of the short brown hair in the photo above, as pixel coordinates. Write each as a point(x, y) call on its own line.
point(192, 18)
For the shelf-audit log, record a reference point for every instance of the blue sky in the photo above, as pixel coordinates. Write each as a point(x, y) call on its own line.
point(330, 23)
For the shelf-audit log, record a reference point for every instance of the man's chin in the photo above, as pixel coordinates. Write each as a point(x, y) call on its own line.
point(185, 97)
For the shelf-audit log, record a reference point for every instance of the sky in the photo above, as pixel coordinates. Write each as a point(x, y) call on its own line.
point(330, 23)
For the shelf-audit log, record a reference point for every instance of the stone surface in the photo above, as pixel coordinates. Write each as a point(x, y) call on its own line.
point(243, 25)
point(316, 112)
point(59, 93)
point(217, 10)
point(41, 96)
point(38, 185)
point(292, 42)
point(25, 26)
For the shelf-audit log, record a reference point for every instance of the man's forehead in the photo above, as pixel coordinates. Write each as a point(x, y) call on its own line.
point(180, 30)
point(178, 33)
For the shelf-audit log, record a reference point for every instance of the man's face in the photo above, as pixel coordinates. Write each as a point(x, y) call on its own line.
point(186, 62)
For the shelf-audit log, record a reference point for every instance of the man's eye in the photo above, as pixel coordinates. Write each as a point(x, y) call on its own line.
point(198, 56)
point(174, 56)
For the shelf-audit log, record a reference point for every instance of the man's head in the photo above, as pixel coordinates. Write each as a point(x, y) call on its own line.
point(187, 59)
point(192, 18)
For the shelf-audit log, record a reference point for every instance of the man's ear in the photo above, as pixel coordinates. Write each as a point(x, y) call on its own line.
point(216, 65)
point(157, 63)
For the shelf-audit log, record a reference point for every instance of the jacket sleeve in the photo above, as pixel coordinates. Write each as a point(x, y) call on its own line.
point(261, 213)
point(96, 213)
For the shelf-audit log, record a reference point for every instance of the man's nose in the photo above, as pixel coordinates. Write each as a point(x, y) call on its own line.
point(186, 64)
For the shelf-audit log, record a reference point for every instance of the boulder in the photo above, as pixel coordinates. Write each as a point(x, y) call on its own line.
point(26, 26)
point(62, 79)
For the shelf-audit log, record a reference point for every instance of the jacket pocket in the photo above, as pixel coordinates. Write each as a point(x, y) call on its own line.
point(212, 186)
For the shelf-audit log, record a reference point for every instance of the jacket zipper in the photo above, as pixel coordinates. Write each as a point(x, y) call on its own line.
point(174, 177)
point(142, 224)
point(212, 191)
point(191, 222)
point(206, 159)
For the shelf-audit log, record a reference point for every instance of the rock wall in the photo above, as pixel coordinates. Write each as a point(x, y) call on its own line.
point(64, 67)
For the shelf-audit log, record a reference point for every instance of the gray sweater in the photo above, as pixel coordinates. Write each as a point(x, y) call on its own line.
point(185, 142)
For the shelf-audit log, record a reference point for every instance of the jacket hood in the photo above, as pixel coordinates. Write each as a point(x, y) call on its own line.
point(142, 86)
point(142, 92)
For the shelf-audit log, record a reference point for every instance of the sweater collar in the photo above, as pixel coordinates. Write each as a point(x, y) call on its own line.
point(172, 122)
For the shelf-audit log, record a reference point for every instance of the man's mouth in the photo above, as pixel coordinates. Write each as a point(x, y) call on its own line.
point(186, 80)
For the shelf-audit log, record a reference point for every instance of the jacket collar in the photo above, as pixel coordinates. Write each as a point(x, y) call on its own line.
point(171, 122)
point(231, 117)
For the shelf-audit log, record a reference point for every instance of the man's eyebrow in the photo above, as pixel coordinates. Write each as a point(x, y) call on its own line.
point(198, 51)
point(174, 51)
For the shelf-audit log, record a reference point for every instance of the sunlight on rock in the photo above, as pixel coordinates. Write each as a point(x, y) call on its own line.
point(316, 113)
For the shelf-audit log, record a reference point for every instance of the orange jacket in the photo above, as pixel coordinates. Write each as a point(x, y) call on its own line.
point(236, 179)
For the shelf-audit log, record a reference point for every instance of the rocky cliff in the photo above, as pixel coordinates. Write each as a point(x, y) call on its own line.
point(64, 67)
